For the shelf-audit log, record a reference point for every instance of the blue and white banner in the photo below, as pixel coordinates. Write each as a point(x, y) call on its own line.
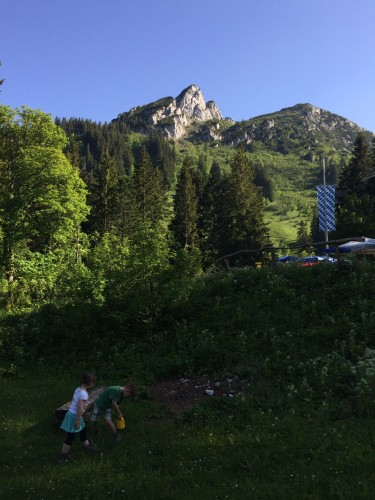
point(326, 207)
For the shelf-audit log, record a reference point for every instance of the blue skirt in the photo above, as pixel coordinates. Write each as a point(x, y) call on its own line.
point(69, 421)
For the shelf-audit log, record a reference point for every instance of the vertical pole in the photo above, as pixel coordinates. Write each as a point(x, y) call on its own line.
point(325, 202)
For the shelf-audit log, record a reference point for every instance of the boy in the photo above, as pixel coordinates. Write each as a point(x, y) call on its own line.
point(109, 400)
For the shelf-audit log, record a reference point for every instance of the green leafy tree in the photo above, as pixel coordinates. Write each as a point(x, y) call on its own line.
point(42, 198)
point(108, 260)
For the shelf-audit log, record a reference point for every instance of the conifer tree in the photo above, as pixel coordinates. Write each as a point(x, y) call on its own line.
point(147, 210)
point(149, 191)
point(358, 168)
point(369, 183)
point(243, 226)
point(210, 214)
point(355, 216)
point(315, 233)
point(103, 196)
point(184, 223)
point(89, 162)
point(163, 156)
point(303, 237)
point(128, 161)
point(263, 180)
point(73, 154)
point(355, 209)
point(126, 211)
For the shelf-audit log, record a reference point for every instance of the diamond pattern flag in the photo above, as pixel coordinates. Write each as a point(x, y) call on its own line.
point(326, 207)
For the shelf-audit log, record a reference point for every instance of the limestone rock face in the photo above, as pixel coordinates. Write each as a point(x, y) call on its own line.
point(189, 116)
point(302, 124)
point(173, 115)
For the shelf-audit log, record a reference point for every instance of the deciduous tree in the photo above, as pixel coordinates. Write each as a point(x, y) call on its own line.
point(42, 198)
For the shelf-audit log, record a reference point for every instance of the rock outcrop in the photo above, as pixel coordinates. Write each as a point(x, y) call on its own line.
point(189, 116)
point(171, 115)
point(303, 125)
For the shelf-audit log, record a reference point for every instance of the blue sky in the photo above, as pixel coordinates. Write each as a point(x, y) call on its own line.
point(97, 58)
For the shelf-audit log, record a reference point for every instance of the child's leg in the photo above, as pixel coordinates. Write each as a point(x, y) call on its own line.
point(108, 421)
point(68, 442)
point(83, 437)
point(89, 448)
point(63, 456)
point(111, 425)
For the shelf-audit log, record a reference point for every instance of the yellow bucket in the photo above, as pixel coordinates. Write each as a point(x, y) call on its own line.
point(120, 424)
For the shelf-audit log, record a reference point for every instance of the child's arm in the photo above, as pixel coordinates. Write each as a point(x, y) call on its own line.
point(80, 412)
point(116, 408)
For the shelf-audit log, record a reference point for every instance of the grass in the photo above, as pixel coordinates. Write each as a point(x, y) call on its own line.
point(221, 449)
point(301, 340)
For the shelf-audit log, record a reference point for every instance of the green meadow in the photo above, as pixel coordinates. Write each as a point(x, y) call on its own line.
point(302, 342)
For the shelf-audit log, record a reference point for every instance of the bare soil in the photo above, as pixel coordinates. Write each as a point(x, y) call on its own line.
point(182, 393)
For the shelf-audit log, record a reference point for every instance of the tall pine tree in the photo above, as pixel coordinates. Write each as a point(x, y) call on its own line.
point(210, 215)
point(243, 226)
point(104, 195)
point(358, 168)
point(185, 221)
point(355, 208)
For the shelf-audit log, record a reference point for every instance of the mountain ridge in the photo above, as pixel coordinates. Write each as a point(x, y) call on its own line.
point(189, 116)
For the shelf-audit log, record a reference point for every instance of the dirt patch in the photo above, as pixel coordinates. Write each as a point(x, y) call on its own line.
point(180, 394)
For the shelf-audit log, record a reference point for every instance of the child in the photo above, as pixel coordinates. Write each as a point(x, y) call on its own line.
point(73, 422)
point(108, 400)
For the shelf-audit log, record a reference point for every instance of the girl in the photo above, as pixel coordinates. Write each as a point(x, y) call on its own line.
point(73, 422)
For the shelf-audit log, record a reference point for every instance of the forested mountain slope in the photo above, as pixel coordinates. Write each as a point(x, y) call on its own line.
point(285, 147)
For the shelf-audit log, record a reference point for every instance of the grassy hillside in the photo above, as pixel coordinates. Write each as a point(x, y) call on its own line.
point(299, 340)
point(293, 179)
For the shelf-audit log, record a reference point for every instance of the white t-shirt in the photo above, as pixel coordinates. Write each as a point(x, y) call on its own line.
point(77, 396)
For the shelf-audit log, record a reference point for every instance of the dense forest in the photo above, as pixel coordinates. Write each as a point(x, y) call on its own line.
point(98, 210)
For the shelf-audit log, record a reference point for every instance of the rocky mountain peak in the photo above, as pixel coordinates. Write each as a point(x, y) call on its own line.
point(172, 115)
point(192, 103)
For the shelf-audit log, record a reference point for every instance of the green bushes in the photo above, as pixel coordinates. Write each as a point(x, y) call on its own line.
point(308, 331)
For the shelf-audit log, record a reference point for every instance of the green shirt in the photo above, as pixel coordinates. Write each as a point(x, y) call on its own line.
point(112, 393)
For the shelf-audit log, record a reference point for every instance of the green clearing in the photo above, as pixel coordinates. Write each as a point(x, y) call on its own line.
point(302, 339)
point(222, 450)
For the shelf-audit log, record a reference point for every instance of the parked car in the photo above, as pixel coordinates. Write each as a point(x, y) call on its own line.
point(287, 259)
point(313, 260)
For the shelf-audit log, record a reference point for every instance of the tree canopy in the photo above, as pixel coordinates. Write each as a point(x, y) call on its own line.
point(42, 198)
